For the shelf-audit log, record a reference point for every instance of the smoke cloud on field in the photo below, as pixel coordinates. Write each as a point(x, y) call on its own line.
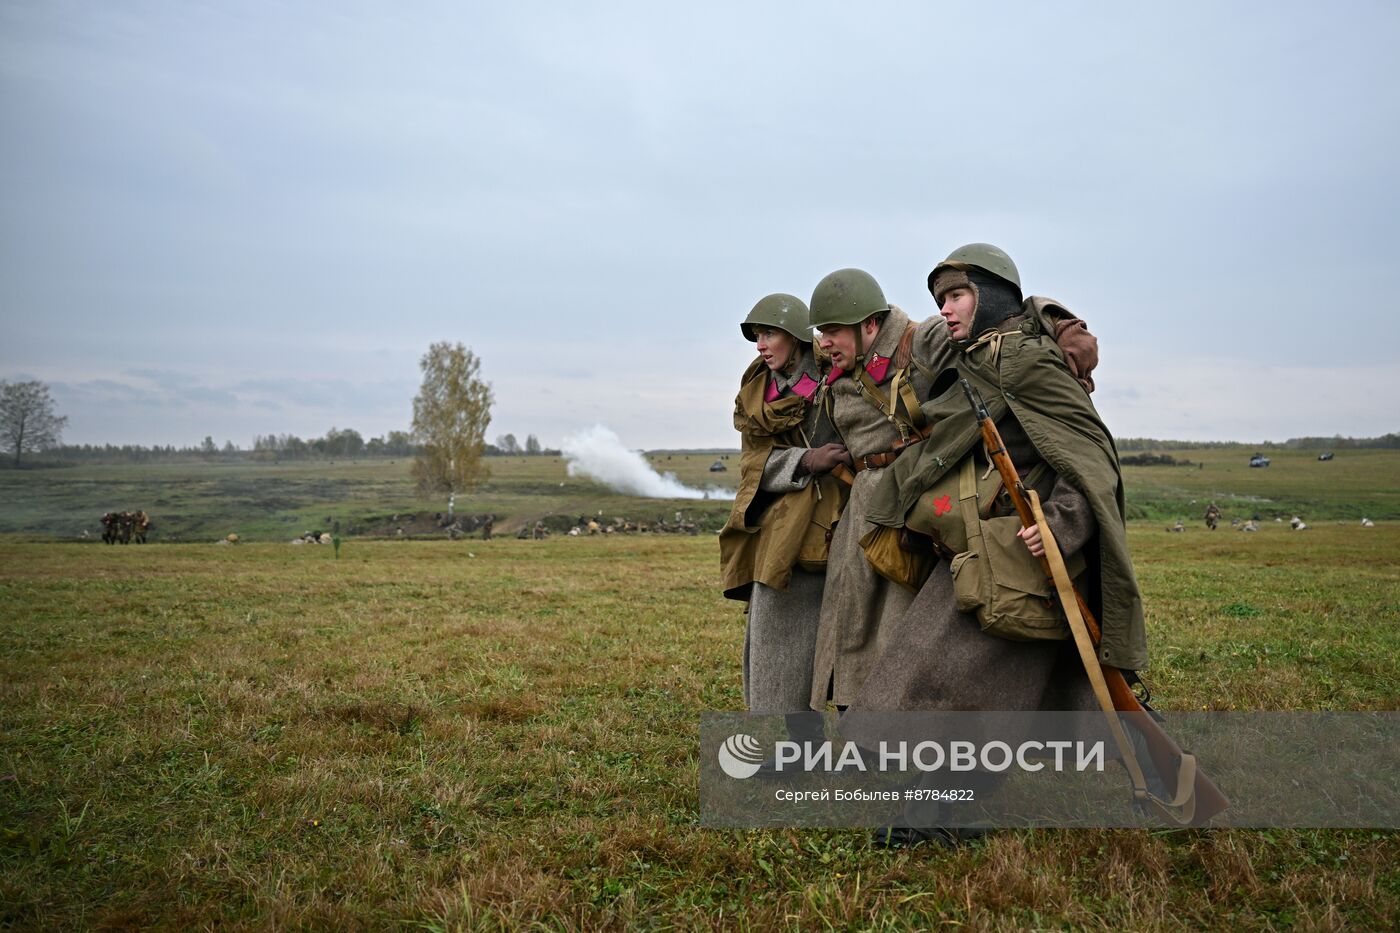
point(598, 453)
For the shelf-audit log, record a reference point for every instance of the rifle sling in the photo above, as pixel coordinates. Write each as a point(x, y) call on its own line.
point(1182, 809)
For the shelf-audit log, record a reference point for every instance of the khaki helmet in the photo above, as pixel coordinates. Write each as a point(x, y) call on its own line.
point(780, 311)
point(984, 256)
point(847, 296)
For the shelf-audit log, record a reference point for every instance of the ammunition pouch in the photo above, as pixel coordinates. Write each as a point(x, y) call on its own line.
point(815, 545)
point(998, 580)
point(994, 575)
point(896, 556)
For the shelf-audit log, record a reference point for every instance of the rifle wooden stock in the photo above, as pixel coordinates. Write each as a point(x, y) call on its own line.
point(1163, 750)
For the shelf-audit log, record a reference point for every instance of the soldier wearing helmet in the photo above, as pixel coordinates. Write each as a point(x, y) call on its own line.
point(773, 549)
point(978, 288)
point(883, 366)
point(1031, 360)
point(887, 373)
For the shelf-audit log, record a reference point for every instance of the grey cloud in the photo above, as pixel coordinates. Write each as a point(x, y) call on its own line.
point(179, 388)
point(291, 227)
point(109, 392)
point(326, 393)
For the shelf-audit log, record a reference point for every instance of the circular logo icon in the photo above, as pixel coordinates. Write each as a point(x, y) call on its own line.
point(740, 756)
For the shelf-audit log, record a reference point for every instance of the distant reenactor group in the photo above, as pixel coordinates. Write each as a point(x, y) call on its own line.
point(125, 527)
point(620, 525)
point(313, 537)
point(585, 526)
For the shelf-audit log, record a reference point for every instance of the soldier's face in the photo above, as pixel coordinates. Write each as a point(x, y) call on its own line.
point(959, 306)
point(775, 346)
point(839, 341)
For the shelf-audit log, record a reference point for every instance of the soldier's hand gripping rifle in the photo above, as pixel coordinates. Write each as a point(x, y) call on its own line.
point(1195, 798)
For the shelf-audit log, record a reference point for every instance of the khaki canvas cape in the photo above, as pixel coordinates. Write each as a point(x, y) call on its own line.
point(1023, 372)
point(768, 534)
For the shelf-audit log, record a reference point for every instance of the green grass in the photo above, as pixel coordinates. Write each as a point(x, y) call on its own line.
point(196, 501)
point(490, 735)
point(1357, 483)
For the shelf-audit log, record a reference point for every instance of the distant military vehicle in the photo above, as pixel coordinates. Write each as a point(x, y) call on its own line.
point(1258, 460)
point(1326, 456)
point(718, 467)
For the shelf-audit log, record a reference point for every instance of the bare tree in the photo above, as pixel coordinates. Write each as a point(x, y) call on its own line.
point(450, 417)
point(507, 444)
point(532, 445)
point(27, 419)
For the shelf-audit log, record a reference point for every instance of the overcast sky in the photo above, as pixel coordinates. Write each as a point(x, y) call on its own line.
point(245, 218)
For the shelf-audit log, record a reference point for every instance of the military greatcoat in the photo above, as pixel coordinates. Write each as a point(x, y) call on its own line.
point(857, 601)
point(773, 548)
point(936, 657)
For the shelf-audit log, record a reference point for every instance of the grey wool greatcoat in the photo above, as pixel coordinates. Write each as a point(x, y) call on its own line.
point(937, 658)
point(782, 620)
point(857, 603)
point(1037, 402)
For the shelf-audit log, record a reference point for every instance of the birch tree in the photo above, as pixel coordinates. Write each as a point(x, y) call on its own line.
point(450, 415)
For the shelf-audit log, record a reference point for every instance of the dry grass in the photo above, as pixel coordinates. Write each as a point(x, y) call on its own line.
point(197, 736)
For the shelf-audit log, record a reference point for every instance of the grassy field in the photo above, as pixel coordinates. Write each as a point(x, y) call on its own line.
point(484, 735)
point(1357, 483)
point(494, 735)
point(197, 501)
point(194, 501)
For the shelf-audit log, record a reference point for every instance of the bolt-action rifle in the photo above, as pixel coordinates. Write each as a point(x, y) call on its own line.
point(1204, 799)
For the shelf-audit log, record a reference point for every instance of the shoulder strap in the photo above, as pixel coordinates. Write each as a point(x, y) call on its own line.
point(910, 420)
point(904, 353)
point(822, 402)
point(967, 495)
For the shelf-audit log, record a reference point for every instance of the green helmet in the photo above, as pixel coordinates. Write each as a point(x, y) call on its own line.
point(847, 296)
point(984, 256)
point(785, 312)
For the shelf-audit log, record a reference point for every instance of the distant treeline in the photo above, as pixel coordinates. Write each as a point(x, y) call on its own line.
point(335, 443)
point(348, 443)
point(1385, 441)
point(340, 443)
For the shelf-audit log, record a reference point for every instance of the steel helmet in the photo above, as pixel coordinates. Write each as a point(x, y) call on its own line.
point(984, 256)
point(847, 296)
point(780, 311)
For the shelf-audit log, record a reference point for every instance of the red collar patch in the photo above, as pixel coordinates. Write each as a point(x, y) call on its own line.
point(876, 366)
point(806, 387)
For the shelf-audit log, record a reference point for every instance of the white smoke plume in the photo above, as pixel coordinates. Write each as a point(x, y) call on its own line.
point(598, 453)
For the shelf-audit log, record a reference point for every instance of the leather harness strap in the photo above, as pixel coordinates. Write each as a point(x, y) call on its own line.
point(881, 460)
point(913, 426)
